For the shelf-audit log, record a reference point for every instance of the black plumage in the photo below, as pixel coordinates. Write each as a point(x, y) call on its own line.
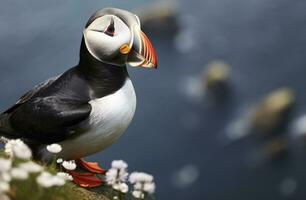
point(58, 108)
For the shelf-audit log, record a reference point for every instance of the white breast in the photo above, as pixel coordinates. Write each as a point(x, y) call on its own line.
point(109, 118)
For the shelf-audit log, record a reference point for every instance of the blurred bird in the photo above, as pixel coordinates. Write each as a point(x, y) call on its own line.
point(89, 106)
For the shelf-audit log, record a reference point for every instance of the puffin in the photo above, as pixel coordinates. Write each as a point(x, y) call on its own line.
point(88, 107)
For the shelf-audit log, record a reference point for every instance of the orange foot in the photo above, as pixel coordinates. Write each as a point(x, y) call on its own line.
point(92, 167)
point(86, 180)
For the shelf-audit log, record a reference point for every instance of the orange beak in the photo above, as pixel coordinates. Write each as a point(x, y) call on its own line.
point(142, 53)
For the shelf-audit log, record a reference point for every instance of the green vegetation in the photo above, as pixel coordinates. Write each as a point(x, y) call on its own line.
point(21, 178)
point(29, 189)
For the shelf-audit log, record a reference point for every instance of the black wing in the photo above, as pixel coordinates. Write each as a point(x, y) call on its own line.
point(50, 112)
point(24, 98)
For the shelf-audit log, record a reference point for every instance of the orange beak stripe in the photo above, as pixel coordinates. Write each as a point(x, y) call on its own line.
point(148, 51)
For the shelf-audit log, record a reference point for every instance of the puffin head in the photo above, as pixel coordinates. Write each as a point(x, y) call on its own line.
point(114, 36)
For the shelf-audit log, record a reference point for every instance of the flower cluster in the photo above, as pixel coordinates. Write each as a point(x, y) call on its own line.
point(65, 176)
point(18, 166)
point(60, 178)
point(5, 177)
point(143, 184)
point(46, 180)
point(54, 148)
point(67, 164)
point(18, 149)
point(118, 175)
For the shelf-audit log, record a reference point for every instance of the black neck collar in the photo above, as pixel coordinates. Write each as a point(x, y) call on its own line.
point(103, 78)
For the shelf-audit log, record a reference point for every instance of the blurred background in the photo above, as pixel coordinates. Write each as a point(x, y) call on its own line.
point(223, 117)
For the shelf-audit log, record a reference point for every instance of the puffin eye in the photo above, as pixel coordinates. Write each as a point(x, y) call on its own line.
point(110, 30)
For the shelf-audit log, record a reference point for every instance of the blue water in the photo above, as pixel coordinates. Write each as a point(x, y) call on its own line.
point(263, 40)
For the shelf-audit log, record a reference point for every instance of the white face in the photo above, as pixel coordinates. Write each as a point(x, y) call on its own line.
point(105, 36)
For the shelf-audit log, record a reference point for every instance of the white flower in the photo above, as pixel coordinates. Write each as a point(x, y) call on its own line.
point(69, 165)
point(117, 176)
point(46, 180)
point(134, 177)
point(31, 167)
point(149, 188)
point(4, 187)
point(19, 174)
point(119, 164)
point(116, 186)
point(59, 160)
point(138, 186)
point(54, 148)
point(10, 144)
point(5, 176)
point(114, 175)
point(65, 176)
point(138, 194)
point(58, 181)
point(143, 183)
point(22, 152)
point(111, 176)
point(5, 165)
point(140, 177)
point(124, 188)
point(17, 148)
